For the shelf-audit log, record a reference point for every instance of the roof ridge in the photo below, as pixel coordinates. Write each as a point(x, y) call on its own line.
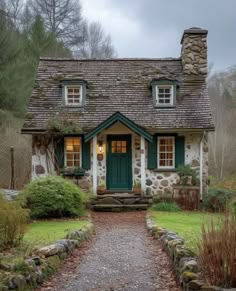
point(108, 59)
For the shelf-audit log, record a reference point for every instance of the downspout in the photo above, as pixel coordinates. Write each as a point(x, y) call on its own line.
point(201, 165)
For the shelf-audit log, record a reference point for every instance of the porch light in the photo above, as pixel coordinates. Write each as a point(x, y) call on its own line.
point(100, 146)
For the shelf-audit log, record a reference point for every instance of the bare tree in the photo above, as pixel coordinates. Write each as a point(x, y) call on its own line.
point(96, 43)
point(12, 9)
point(61, 17)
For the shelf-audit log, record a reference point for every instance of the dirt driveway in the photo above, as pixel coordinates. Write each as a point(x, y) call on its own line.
point(121, 256)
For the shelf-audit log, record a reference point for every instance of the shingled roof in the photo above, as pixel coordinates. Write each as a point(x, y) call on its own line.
point(118, 85)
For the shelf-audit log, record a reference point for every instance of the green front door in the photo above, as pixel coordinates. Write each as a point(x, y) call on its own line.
point(119, 162)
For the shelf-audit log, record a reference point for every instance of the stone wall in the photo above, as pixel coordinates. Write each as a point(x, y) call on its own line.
point(194, 51)
point(158, 183)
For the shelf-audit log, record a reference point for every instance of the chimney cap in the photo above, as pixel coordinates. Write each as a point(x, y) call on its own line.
point(194, 30)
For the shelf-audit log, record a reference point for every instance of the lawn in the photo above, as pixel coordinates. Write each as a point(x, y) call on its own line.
point(41, 233)
point(185, 223)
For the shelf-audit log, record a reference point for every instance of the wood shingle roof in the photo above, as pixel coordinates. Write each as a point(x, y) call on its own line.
point(122, 85)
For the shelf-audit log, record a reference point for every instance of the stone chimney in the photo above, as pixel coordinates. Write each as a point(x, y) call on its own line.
point(194, 51)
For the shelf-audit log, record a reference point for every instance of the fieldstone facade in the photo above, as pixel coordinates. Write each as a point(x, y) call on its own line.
point(194, 51)
point(159, 183)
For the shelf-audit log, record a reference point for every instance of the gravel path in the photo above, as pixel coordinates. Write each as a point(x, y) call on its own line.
point(121, 256)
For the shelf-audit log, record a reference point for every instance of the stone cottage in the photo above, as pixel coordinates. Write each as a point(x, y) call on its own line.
point(123, 122)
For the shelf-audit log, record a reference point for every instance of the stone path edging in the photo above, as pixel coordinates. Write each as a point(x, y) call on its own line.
point(45, 261)
point(183, 260)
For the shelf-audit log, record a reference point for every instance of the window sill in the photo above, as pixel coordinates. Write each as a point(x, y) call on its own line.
point(164, 106)
point(74, 106)
point(164, 170)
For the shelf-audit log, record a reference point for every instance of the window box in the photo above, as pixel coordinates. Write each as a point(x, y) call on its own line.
point(72, 172)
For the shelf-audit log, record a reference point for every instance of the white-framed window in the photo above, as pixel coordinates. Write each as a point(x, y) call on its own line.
point(166, 152)
point(164, 95)
point(72, 146)
point(73, 95)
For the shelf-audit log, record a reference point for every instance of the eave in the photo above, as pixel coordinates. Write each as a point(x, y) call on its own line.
point(124, 120)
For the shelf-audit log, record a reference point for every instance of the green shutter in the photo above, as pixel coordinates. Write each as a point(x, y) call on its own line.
point(179, 151)
point(152, 154)
point(86, 158)
point(59, 153)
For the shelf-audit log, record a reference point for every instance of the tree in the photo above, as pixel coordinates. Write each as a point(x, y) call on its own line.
point(61, 17)
point(12, 9)
point(222, 92)
point(96, 43)
point(43, 43)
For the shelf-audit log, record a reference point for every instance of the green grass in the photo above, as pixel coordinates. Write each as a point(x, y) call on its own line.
point(185, 223)
point(41, 233)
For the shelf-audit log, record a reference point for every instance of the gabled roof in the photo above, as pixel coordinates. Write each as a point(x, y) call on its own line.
point(122, 85)
point(124, 120)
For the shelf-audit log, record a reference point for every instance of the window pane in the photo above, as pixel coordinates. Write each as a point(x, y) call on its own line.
point(69, 163)
point(72, 148)
point(166, 152)
point(69, 156)
point(77, 163)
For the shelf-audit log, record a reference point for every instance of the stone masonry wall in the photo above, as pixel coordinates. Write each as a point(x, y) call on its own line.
point(158, 183)
point(194, 52)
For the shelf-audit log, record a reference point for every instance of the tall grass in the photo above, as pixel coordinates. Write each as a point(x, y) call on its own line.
point(217, 252)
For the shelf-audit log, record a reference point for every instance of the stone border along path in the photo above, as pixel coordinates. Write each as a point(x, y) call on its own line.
point(183, 260)
point(121, 256)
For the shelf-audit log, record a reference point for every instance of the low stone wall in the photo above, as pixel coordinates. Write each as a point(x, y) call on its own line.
point(184, 261)
point(34, 270)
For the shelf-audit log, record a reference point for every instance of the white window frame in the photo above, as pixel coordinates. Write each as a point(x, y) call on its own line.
point(65, 156)
point(81, 94)
point(165, 86)
point(158, 152)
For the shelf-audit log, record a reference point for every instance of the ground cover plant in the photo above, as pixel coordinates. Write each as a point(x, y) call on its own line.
point(165, 206)
point(187, 224)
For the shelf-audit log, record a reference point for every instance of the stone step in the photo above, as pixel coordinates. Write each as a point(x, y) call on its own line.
point(119, 207)
point(122, 200)
point(123, 196)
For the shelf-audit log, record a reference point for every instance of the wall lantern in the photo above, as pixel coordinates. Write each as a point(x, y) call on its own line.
point(100, 146)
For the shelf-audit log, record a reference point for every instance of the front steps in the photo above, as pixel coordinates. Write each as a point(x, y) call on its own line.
point(121, 201)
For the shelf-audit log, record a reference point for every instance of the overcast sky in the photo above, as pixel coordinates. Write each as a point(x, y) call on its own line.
point(153, 28)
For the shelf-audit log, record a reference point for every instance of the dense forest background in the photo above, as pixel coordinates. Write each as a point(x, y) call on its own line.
point(34, 28)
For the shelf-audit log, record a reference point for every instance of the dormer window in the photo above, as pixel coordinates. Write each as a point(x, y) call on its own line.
point(73, 93)
point(164, 95)
point(163, 92)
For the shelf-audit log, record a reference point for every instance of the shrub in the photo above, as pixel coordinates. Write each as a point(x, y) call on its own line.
point(166, 206)
point(217, 252)
point(186, 171)
point(216, 199)
point(13, 219)
point(53, 196)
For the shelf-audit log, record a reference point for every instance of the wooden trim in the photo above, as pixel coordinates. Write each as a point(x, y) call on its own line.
point(124, 120)
point(95, 165)
point(143, 168)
